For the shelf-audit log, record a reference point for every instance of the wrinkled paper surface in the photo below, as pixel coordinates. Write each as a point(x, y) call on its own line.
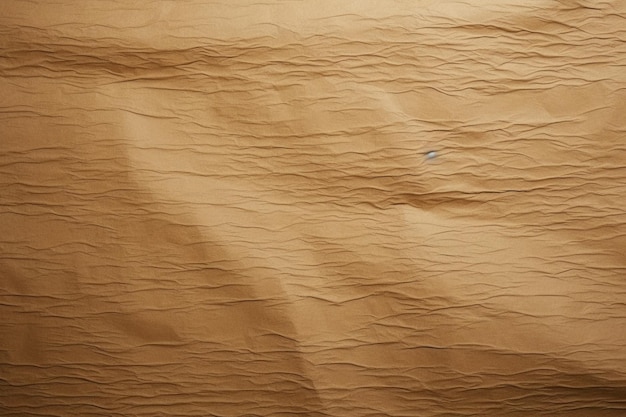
point(315, 208)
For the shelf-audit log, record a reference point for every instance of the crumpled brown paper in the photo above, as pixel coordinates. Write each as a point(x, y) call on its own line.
point(315, 208)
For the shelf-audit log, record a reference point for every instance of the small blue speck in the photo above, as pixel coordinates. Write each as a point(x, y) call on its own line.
point(431, 155)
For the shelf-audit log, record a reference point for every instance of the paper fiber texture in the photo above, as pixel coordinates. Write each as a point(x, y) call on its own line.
point(314, 208)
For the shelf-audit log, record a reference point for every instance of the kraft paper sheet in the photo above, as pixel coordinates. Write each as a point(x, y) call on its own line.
point(313, 208)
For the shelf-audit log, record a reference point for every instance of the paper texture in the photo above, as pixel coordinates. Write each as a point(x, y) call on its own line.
point(313, 208)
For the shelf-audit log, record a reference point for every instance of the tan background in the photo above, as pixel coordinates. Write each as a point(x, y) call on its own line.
point(225, 208)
